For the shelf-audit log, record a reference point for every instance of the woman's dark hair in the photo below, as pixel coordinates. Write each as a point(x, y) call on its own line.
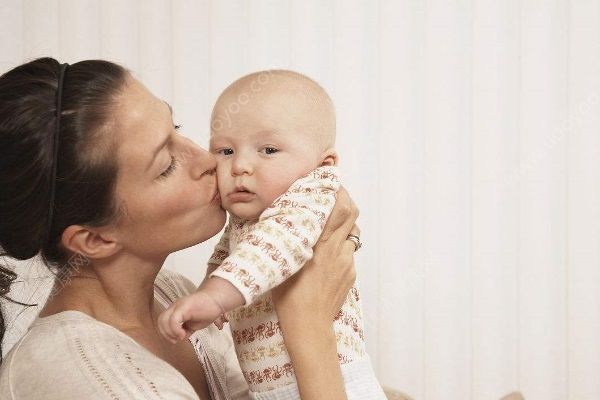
point(85, 171)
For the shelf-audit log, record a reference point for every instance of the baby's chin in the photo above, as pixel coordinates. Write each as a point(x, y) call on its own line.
point(243, 211)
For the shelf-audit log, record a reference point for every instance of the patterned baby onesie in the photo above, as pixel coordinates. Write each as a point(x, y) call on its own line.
point(256, 257)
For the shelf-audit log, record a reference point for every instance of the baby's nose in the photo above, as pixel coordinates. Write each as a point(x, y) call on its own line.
point(241, 166)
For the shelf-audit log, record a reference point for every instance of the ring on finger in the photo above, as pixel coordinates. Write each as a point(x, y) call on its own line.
point(356, 240)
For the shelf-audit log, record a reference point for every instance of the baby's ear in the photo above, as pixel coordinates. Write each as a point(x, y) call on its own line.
point(329, 157)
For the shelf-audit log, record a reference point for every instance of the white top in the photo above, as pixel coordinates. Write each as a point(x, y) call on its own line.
point(72, 356)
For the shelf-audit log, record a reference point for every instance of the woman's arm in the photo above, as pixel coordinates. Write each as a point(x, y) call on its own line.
point(308, 302)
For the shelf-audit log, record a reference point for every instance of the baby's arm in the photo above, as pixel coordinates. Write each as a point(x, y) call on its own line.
point(199, 309)
point(279, 244)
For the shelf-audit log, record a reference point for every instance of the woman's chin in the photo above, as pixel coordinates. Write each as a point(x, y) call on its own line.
point(220, 218)
point(208, 227)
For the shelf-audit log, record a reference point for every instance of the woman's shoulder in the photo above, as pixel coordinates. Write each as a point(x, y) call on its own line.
point(75, 356)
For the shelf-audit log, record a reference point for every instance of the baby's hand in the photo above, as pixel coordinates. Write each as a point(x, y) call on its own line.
point(187, 315)
point(220, 322)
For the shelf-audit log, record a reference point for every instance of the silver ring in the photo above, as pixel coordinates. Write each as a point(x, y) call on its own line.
point(356, 240)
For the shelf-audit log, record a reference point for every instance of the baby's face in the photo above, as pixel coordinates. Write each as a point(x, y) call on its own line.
point(261, 150)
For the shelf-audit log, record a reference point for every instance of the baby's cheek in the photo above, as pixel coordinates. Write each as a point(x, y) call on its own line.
point(222, 176)
point(276, 185)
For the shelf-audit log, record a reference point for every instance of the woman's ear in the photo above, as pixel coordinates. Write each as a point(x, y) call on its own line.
point(329, 157)
point(89, 242)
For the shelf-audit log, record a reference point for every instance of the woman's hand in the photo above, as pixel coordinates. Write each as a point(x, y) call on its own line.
point(323, 283)
point(308, 302)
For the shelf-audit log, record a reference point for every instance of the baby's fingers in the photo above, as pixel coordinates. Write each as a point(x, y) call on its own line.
point(170, 324)
point(163, 325)
point(176, 321)
point(220, 322)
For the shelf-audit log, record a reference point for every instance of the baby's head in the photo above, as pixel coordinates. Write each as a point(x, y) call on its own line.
point(268, 129)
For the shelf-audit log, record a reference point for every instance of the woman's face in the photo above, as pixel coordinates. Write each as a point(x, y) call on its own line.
point(166, 185)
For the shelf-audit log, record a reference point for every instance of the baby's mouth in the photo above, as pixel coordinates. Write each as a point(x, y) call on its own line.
point(241, 195)
point(241, 189)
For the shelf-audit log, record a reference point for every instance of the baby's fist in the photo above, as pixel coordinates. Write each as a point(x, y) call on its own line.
point(187, 315)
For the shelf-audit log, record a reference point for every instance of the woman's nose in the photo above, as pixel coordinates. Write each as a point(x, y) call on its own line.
point(241, 165)
point(202, 162)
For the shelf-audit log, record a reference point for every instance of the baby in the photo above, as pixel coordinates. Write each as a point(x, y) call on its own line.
point(273, 133)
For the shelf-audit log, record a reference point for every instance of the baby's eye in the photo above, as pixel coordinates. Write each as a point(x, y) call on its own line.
point(225, 152)
point(270, 150)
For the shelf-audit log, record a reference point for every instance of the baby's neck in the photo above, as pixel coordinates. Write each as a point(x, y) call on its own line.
point(234, 218)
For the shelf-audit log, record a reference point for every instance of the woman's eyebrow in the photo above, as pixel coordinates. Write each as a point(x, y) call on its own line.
point(162, 144)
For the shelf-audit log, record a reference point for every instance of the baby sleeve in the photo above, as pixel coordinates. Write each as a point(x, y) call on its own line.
point(220, 252)
point(281, 241)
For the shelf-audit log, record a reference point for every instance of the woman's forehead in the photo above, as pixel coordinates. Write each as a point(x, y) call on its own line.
point(141, 121)
point(137, 106)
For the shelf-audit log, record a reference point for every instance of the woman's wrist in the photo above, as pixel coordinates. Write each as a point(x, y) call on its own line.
point(313, 350)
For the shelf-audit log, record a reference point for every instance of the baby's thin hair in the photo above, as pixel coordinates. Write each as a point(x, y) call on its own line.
point(305, 85)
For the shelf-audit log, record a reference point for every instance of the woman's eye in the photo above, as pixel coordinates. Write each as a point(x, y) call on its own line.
point(270, 150)
point(177, 127)
point(170, 169)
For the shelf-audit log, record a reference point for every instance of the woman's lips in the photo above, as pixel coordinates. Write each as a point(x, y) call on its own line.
point(240, 197)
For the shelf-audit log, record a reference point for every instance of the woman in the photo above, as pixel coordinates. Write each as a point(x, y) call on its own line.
point(105, 189)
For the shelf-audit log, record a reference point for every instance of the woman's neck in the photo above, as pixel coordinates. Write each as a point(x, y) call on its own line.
point(119, 292)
